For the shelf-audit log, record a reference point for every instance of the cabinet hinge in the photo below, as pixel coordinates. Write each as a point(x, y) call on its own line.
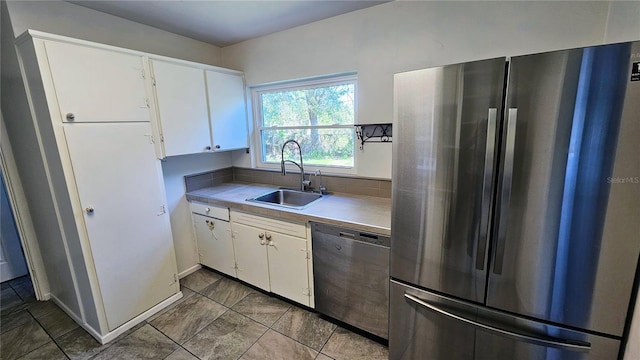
point(175, 278)
point(163, 210)
point(161, 138)
point(146, 101)
point(142, 75)
point(153, 81)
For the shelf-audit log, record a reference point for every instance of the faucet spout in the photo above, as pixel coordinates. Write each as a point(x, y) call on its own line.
point(283, 169)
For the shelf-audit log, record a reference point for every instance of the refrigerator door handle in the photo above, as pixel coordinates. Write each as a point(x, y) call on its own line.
point(505, 192)
point(534, 339)
point(486, 188)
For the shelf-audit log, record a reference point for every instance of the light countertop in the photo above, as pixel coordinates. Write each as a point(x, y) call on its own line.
point(365, 213)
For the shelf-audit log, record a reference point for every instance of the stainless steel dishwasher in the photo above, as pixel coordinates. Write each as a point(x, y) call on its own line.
point(351, 276)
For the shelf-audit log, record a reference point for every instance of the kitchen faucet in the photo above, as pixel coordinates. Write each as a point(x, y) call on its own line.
point(283, 169)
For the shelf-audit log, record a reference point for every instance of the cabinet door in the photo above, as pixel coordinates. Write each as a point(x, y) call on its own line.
point(182, 108)
point(121, 195)
point(288, 266)
point(228, 111)
point(97, 85)
point(251, 255)
point(215, 246)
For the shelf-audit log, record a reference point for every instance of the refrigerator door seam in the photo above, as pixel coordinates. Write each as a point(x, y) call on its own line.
point(505, 192)
point(486, 188)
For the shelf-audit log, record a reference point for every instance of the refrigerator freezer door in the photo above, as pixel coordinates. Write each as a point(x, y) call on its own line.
point(426, 325)
point(443, 167)
point(568, 236)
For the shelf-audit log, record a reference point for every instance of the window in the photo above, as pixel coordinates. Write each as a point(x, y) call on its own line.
point(319, 114)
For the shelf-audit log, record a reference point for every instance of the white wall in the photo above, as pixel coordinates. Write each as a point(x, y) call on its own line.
point(174, 169)
point(623, 23)
point(71, 20)
point(405, 35)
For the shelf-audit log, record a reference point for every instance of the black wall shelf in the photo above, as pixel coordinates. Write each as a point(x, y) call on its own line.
point(373, 133)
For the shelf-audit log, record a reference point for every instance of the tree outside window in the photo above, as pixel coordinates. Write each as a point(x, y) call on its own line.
point(319, 116)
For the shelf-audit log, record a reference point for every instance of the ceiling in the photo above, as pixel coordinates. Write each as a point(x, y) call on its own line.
point(226, 22)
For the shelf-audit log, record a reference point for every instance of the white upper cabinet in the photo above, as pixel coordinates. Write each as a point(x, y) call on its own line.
point(228, 110)
point(96, 85)
point(181, 101)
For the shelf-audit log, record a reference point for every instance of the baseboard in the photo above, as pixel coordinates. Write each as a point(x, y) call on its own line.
point(93, 332)
point(46, 297)
point(103, 339)
point(189, 271)
point(138, 319)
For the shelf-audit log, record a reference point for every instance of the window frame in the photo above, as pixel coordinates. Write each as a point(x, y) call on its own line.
point(302, 84)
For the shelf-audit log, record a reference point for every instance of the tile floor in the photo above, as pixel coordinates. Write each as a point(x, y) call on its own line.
point(218, 318)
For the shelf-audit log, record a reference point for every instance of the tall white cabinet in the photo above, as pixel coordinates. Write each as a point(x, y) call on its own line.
point(92, 117)
point(119, 186)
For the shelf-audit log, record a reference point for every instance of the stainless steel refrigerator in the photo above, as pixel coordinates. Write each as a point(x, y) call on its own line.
point(516, 206)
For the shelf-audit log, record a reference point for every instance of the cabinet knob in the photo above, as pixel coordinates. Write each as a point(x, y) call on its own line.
point(268, 236)
point(261, 236)
point(89, 210)
point(262, 242)
point(207, 209)
point(271, 243)
point(70, 117)
point(208, 147)
point(217, 146)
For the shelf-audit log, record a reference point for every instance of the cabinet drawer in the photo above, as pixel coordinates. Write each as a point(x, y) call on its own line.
point(217, 212)
point(283, 227)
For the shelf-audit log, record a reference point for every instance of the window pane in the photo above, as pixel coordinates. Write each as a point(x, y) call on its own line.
point(332, 147)
point(331, 105)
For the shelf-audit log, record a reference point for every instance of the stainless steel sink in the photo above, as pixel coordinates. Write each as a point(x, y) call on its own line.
point(288, 198)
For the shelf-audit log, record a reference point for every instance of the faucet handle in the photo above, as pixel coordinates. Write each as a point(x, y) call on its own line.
point(321, 188)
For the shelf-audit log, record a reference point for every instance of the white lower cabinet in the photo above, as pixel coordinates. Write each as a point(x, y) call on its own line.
point(215, 246)
point(273, 255)
point(288, 267)
point(251, 259)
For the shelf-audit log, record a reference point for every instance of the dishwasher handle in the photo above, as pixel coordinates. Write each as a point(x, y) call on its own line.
point(347, 235)
point(350, 234)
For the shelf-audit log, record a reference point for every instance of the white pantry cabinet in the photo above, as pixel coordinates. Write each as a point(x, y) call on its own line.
point(117, 265)
point(273, 255)
point(181, 100)
point(213, 237)
point(119, 185)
